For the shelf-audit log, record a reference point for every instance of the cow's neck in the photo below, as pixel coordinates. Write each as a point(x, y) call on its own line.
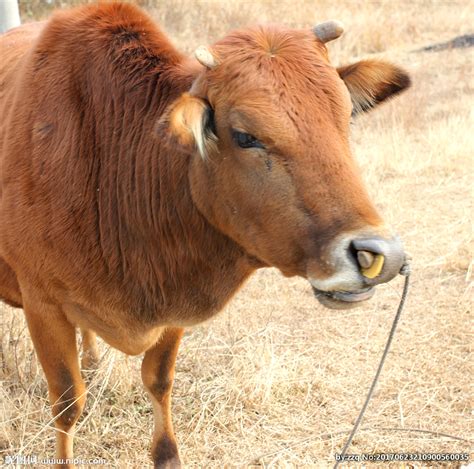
point(155, 241)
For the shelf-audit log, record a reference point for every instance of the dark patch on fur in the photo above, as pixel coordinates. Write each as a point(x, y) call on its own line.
point(132, 53)
point(162, 384)
point(402, 82)
point(388, 91)
point(124, 36)
point(43, 129)
point(165, 453)
point(66, 408)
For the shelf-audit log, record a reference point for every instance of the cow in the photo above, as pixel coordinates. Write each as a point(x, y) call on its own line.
point(140, 188)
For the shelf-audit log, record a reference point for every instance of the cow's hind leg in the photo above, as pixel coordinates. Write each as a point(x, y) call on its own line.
point(157, 374)
point(54, 339)
point(90, 351)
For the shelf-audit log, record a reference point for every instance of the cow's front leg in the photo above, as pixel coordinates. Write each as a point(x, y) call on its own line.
point(157, 375)
point(54, 339)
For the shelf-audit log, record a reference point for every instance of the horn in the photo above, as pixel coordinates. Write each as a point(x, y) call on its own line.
point(329, 30)
point(205, 57)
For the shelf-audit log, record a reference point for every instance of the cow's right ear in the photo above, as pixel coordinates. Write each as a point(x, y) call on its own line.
point(191, 120)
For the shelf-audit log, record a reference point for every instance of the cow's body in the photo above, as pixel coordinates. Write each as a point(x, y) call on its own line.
point(135, 201)
point(94, 182)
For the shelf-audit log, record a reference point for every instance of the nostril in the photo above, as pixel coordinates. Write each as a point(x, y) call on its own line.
point(372, 245)
point(378, 259)
point(370, 256)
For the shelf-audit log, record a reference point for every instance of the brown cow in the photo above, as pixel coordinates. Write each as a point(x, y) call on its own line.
point(140, 188)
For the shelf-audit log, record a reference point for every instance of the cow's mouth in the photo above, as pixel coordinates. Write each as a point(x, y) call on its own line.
point(343, 299)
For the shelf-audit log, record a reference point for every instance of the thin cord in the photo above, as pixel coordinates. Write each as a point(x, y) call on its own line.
point(406, 272)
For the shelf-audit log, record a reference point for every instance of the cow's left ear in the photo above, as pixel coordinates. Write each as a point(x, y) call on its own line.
point(191, 120)
point(371, 81)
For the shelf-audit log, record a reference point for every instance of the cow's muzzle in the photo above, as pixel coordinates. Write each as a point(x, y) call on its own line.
point(363, 262)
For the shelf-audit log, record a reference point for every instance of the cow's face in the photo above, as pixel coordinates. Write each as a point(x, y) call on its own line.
point(273, 170)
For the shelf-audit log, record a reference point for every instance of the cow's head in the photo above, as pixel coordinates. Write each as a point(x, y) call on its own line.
point(269, 117)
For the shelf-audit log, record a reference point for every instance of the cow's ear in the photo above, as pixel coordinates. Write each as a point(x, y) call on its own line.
point(191, 120)
point(370, 82)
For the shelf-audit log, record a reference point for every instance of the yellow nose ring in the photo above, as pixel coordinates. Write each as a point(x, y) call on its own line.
point(371, 264)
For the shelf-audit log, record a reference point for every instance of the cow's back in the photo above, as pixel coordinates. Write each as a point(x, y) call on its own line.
point(14, 46)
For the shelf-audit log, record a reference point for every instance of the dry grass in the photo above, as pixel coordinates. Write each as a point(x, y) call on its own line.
point(276, 380)
point(374, 26)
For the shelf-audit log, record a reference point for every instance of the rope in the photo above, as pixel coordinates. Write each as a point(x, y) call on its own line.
point(405, 271)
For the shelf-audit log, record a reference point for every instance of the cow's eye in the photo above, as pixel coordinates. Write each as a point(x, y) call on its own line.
point(244, 140)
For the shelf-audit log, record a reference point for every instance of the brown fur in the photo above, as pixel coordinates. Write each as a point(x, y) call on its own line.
point(368, 84)
point(111, 221)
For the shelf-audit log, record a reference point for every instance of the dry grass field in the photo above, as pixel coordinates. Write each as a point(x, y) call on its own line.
point(276, 380)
